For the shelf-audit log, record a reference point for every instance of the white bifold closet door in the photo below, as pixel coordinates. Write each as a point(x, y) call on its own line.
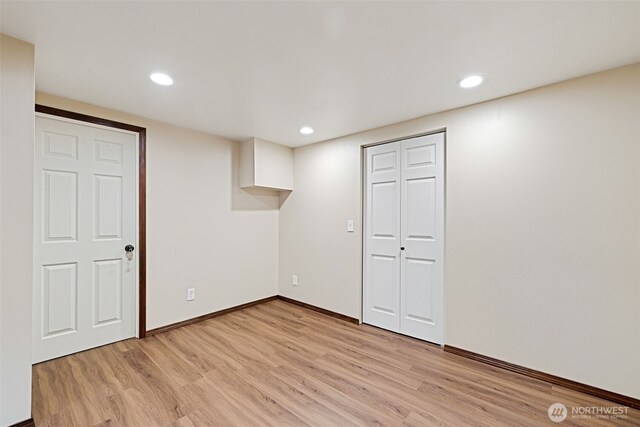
point(404, 237)
point(84, 288)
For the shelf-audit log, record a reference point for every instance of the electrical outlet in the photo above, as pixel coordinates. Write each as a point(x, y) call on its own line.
point(294, 280)
point(191, 294)
point(350, 226)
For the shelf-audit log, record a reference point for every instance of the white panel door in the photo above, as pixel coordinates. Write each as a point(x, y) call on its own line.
point(404, 237)
point(422, 211)
point(382, 237)
point(84, 215)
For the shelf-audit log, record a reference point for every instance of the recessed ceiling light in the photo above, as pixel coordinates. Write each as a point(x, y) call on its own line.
point(161, 79)
point(471, 81)
point(306, 130)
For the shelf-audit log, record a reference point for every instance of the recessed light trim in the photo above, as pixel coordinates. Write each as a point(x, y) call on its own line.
point(306, 130)
point(162, 79)
point(471, 81)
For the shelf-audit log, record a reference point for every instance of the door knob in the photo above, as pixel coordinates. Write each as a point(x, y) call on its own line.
point(402, 248)
point(129, 252)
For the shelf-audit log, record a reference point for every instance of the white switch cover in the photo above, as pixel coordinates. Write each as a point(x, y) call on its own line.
point(350, 226)
point(191, 294)
point(294, 280)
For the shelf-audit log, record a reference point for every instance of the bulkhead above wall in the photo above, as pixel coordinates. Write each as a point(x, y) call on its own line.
point(265, 164)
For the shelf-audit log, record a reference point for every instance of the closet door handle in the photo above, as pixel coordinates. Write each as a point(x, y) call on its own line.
point(402, 248)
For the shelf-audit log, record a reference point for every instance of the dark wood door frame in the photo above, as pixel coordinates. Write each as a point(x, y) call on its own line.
point(142, 204)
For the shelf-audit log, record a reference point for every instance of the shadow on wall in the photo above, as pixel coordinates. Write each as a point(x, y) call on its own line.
point(252, 199)
point(284, 195)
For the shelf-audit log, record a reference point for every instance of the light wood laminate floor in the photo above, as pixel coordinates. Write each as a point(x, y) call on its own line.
point(280, 364)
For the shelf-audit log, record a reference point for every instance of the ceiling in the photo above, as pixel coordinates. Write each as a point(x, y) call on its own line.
point(265, 69)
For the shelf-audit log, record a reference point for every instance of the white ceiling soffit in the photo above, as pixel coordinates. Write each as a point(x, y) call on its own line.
point(265, 69)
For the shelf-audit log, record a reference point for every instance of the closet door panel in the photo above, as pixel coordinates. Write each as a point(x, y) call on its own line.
point(422, 236)
point(382, 237)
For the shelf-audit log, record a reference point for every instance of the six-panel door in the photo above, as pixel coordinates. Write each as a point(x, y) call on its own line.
point(84, 215)
point(404, 237)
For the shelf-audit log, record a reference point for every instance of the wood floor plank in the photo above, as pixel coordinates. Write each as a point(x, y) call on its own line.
point(392, 391)
point(263, 409)
point(293, 399)
point(207, 407)
point(183, 422)
point(152, 383)
point(186, 344)
point(240, 351)
point(279, 364)
point(358, 412)
point(178, 371)
point(199, 420)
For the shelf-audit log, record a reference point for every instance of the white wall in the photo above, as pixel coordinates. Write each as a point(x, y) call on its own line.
point(203, 231)
point(314, 243)
point(16, 227)
point(543, 227)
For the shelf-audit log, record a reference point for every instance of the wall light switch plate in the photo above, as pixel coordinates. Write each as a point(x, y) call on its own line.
point(294, 280)
point(350, 226)
point(191, 294)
